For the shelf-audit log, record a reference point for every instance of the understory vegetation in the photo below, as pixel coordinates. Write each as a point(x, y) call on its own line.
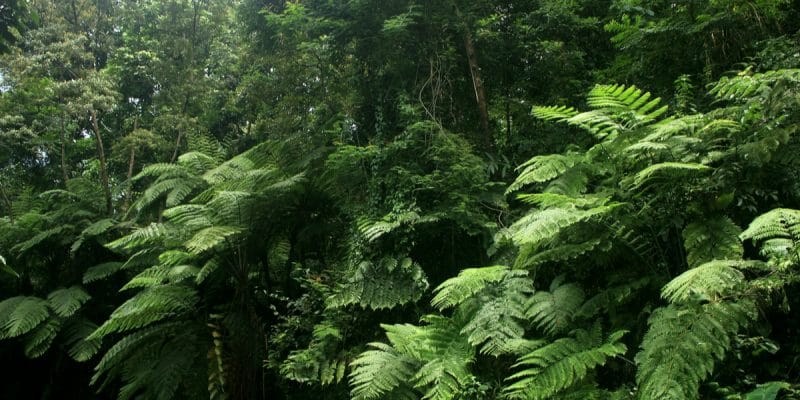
point(400, 199)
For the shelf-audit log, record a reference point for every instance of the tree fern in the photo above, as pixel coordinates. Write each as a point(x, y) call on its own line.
point(64, 302)
point(381, 371)
point(667, 170)
point(561, 364)
point(211, 237)
point(712, 238)
point(148, 306)
point(540, 226)
point(707, 281)
point(553, 311)
point(38, 341)
point(544, 168)
point(385, 283)
point(683, 344)
point(101, 271)
point(469, 282)
point(19, 315)
point(778, 231)
point(76, 332)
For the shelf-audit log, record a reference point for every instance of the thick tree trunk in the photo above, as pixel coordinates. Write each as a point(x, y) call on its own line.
point(477, 82)
point(102, 156)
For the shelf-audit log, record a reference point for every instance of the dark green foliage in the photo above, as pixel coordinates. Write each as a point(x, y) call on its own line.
point(317, 199)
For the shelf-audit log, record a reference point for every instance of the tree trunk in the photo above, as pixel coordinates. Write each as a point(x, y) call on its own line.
point(477, 82)
point(102, 156)
point(129, 189)
point(8, 204)
point(64, 172)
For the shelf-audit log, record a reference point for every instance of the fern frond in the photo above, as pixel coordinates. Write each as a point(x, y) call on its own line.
point(469, 282)
point(553, 113)
point(194, 216)
point(148, 306)
point(19, 315)
point(39, 340)
point(81, 349)
point(745, 84)
point(541, 169)
point(121, 350)
point(613, 296)
point(208, 268)
point(446, 371)
point(707, 281)
point(633, 105)
point(384, 284)
point(540, 226)
point(667, 170)
point(211, 237)
point(101, 271)
point(682, 345)
point(380, 371)
point(150, 234)
point(161, 274)
point(710, 239)
point(496, 328)
point(561, 364)
point(778, 230)
point(531, 256)
point(196, 162)
point(553, 311)
point(65, 302)
point(94, 229)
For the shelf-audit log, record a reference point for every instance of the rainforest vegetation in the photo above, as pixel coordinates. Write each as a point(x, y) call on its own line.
point(400, 199)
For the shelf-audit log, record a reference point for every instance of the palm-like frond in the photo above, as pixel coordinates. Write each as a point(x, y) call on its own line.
point(561, 364)
point(148, 306)
point(553, 311)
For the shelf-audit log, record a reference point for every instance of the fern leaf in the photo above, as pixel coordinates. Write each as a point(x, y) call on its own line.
point(707, 281)
point(445, 372)
point(380, 371)
point(384, 284)
point(101, 271)
point(125, 346)
point(81, 349)
point(151, 234)
point(561, 364)
point(553, 311)
point(666, 170)
point(20, 315)
point(710, 239)
point(211, 237)
point(149, 306)
point(543, 225)
point(40, 339)
point(682, 345)
point(469, 282)
point(778, 229)
point(65, 302)
point(541, 169)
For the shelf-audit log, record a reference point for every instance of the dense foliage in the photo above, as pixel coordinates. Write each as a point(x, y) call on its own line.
point(400, 199)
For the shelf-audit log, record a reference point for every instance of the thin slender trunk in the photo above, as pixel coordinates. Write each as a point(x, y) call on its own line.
point(131, 162)
point(128, 191)
point(477, 82)
point(9, 204)
point(102, 155)
point(64, 172)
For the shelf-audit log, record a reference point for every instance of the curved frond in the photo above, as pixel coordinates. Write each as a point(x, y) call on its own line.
point(65, 302)
point(561, 364)
point(553, 311)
